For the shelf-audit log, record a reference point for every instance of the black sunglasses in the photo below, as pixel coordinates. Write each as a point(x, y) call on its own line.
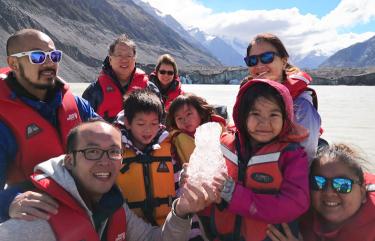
point(339, 184)
point(169, 72)
point(265, 58)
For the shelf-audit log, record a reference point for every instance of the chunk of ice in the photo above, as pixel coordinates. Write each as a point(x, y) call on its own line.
point(207, 160)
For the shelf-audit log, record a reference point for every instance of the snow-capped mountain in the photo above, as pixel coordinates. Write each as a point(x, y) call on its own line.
point(214, 45)
point(219, 48)
point(171, 23)
point(312, 60)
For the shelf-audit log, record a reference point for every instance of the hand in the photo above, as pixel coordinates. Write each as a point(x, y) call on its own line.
point(275, 235)
point(183, 175)
point(224, 187)
point(32, 205)
point(194, 199)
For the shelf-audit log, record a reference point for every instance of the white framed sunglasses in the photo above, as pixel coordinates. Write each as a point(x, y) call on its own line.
point(39, 57)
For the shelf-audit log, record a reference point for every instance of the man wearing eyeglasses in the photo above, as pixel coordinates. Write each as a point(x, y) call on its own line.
point(37, 112)
point(91, 207)
point(119, 76)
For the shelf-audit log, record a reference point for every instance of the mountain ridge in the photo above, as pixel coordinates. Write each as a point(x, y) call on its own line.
point(83, 30)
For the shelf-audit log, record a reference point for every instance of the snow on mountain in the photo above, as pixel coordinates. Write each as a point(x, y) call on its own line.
point(218, 47)
point(312, 60)
point(214, 45)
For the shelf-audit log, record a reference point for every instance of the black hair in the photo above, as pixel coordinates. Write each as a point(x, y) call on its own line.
point(204, 109)
point(124, 39)
point(247, 102)
point(342, 153)
point(142, 100)
point(71, 140)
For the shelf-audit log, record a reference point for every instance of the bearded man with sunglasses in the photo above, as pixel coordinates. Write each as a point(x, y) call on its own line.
point(37, 112)
point(119, 76)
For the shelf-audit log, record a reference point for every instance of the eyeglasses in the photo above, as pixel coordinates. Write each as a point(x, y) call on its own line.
point(339, 184)
point(169, 72)
point(39, 57)
point(96, 153)
point(265, 58)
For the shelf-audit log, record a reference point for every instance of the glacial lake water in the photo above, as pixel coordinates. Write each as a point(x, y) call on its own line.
point(347, 112)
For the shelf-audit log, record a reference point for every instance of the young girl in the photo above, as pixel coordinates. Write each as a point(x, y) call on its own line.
point(267, 58)
point(186, 113)
point(342, 196)
point(267, 168)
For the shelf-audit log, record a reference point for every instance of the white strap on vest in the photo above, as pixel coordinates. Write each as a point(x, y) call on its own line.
point(299, 77)
point(40, 177)
point(370, 187)
point(271, 157)
point(3, 76)
point(229, 154)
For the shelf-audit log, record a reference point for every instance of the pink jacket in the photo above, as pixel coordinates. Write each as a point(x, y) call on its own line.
point(293, 198)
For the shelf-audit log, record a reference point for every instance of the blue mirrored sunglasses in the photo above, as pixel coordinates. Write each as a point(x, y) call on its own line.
point(39, 57)
point(264, 58)
point(339, 184)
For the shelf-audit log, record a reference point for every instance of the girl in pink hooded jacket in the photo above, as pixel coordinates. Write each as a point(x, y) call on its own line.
point(267, 179)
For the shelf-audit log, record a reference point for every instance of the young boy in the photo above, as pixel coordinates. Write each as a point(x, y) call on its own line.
point(149, 176)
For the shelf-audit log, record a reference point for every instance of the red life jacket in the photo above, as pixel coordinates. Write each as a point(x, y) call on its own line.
point(297, 83)
point(4, 72)
point(33, 132)
point(262, 175)
point(113, 96)
point(72, 222)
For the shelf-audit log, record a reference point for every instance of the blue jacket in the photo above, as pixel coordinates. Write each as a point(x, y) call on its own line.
point(8, 144)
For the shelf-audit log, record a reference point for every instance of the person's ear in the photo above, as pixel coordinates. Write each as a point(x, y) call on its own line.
point(126, 123)
point(285, 62)
point(12, 62)
point(69, 161)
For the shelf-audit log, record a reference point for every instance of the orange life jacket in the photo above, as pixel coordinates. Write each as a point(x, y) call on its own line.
point(147, 183)
point(33, 132)
point(262, 174)
point(72, 222)
point(113, 95)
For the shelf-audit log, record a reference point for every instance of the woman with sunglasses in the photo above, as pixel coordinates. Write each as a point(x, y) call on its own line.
point(342, 198)
point(267, 58)
point(165, 77)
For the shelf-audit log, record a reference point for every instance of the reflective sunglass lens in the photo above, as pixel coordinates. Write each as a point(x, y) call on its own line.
point(56, 56)
point(251, 60)
point(267, 57)
point(319, 183)
point(37, 57)
point(342, 185)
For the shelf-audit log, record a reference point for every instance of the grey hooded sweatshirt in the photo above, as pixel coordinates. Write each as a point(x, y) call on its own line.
point(174, 228)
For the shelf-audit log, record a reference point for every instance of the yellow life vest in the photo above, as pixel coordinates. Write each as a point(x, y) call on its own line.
point(147, 183)
point(183, 144)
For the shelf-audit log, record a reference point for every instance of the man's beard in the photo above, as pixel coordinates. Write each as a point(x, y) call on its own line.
point(42, 86)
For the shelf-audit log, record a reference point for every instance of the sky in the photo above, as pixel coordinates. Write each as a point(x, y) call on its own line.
point(322, 26)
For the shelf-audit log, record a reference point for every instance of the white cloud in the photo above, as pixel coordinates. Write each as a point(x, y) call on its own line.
point(301, 33)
